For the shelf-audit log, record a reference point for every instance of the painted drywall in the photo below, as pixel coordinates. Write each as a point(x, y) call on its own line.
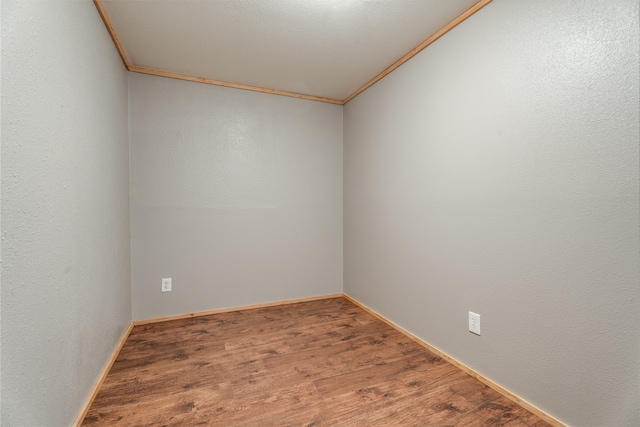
point(235, 195)
point(66, 297)
point(497, 172)
point(322, 48)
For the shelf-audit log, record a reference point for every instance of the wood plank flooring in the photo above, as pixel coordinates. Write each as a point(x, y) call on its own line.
point(320, 363)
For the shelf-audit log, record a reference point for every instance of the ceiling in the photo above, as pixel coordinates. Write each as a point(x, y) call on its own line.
point(326, 50)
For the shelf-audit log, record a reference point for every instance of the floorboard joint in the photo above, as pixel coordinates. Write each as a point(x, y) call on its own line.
point(325, 362)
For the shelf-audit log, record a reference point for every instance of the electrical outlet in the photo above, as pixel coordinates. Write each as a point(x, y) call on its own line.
point(474, 323)
point(166, 284)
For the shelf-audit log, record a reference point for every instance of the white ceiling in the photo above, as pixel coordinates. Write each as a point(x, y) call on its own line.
point(322, 48)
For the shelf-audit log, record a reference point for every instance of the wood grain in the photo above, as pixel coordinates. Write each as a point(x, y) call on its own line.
point(112, 33)
point(319, 363)
point(441, 32)
point(503, 391)
point(189, 78)
point(237, 308)
point(145, 70)
point(103, 376)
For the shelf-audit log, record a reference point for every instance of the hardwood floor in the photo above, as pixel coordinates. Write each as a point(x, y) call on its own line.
point(320, 363)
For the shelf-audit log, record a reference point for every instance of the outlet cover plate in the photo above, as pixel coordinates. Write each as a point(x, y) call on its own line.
point(474, 323)
point(166, 284)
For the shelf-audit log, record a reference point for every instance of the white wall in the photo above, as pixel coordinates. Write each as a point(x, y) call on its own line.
point(65, 208)
point(235, 195)
point(497, 172)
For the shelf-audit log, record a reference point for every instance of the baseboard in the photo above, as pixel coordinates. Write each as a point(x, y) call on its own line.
point(503, 391)
point(237, 308)
point(103, 375)
point(120, 344)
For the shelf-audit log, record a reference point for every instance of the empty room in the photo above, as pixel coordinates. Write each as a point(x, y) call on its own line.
point(320, 213)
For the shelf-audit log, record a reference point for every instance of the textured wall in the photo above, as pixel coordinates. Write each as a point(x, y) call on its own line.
point(235, 195)
point(65, 208)
point(497, 172)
